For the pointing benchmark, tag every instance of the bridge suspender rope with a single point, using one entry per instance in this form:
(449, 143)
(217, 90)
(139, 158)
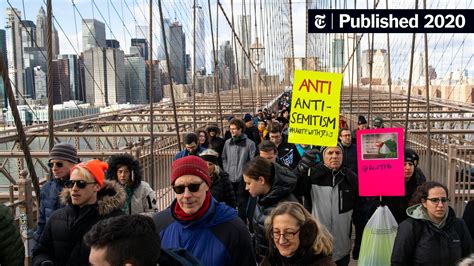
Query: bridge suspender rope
(152, 98)
(236, 62)
(194, 65)
(427, 88)
(216, 78)
(389, 74)
(49, 26)
(163, 32)
(410, 80)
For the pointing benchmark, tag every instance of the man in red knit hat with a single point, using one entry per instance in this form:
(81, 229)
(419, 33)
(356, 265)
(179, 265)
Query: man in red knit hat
(195, 221)
(88, 198)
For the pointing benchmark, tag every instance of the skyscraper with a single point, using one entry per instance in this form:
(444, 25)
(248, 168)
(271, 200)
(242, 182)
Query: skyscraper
(61, 85)
(135, 80)
(337, 58)
(93, 34)
(142, 45)
(73, 73)
(161, 46)
(112, 43)
(104, 76)
(226, 65)
(41, 34)
(15, 50)
(177, 52)
(244, 31)
(200, 39)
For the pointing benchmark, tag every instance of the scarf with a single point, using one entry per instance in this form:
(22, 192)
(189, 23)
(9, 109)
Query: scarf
(180, 214)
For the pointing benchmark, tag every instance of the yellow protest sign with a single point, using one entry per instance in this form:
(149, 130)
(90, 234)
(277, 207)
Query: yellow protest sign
(315, 105)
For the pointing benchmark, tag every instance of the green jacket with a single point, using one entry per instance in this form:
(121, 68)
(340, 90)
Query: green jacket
(12, 251)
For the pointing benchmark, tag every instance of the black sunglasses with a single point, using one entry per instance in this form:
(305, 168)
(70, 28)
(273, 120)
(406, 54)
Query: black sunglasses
(192, 188)
(58, 164)
(79, 183)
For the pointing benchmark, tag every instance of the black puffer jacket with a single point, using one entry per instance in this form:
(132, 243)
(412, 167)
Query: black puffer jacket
(398, 205)
(61, 241)
(420, 242)
(221, 189)
(12, 251)
(281, 190)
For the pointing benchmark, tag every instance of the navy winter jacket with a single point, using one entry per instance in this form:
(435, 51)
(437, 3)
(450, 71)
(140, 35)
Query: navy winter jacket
(217, 238)
(50, 202)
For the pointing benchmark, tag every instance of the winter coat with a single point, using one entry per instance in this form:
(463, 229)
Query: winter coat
(61, 241)
(237, 152)
(221, 189)
(185, 153)
(143, 198)
(12, 251)
(398, 205)
(49, 196)
(420, 242)
(334, 197)
(252, 134)
(308, 259)
(349, 158)
(281, 190)
(217, 144)
(468, 217)
(288, 154)
(217, 238)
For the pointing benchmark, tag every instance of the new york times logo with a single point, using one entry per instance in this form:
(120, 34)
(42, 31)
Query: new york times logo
(391, 21)
(319, 21)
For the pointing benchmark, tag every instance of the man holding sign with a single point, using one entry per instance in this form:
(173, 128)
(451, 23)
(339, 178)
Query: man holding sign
(334, 196)
(333, 188)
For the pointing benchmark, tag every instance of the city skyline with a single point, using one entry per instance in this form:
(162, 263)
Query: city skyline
(443, 49)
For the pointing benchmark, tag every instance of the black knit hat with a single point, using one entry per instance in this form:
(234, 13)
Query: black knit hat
(411, 156)
(362, 120)
(64, 152)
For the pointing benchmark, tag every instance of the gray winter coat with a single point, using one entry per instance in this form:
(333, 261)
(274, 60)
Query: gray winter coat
(235, 154)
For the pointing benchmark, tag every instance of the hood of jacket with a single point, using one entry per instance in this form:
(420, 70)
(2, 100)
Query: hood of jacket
(109, 198)
(124, 159)
(419, 212)
(284, 183)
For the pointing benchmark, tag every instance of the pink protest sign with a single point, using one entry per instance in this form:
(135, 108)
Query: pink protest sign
(380, 155)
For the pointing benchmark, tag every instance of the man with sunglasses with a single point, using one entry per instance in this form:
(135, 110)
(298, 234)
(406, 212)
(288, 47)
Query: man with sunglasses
(88, 198)
(62, 158)
(209, 230)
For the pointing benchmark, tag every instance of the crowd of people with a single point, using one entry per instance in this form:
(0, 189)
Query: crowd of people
(247, 198)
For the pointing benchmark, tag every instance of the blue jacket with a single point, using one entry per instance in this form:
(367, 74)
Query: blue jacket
(49, 196)
(185, 153)
(217, 238)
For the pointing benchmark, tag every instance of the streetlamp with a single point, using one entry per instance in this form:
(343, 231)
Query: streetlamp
(258, 53)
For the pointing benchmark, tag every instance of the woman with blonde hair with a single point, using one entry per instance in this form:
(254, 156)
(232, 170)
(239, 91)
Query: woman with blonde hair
(296, 238)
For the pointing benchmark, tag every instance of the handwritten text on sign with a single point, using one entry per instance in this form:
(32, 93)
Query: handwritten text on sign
(315, 106)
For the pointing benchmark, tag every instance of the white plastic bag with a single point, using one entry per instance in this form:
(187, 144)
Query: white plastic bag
(378, 238)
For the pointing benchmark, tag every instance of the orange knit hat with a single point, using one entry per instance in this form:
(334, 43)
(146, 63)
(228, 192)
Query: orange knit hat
(96, 168)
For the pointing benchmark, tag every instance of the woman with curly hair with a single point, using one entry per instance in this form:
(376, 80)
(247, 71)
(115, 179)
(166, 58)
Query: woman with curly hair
(296, 238)
(125, 170)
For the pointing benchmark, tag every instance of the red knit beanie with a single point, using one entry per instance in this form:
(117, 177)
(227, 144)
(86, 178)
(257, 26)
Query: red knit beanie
(96, 168)
(190, 165)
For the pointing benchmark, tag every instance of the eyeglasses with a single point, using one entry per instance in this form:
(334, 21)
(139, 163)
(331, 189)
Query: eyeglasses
(192, 188)
(286, 235)
(79, 183)
(437, 200)
(58, 164)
